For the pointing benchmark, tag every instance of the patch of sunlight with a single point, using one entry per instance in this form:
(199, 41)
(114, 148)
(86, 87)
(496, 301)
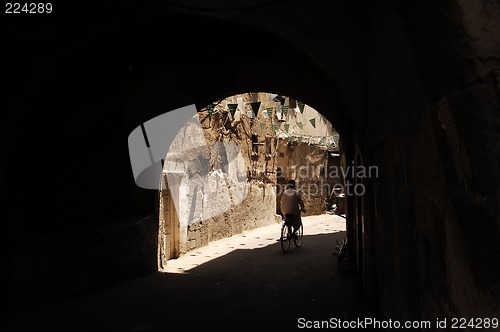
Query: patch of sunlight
(252, 239)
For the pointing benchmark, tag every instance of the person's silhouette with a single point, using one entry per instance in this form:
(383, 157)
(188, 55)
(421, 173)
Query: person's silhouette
(291, 207)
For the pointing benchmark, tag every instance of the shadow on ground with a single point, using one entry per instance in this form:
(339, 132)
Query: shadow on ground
(260, 289)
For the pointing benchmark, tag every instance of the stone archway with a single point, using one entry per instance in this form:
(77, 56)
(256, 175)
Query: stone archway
(398, 85)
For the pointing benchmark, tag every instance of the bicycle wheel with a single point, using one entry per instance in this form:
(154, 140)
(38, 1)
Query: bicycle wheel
(285, 238)
(299, 233)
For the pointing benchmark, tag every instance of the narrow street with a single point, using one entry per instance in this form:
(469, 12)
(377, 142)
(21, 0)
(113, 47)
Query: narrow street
(241, 283)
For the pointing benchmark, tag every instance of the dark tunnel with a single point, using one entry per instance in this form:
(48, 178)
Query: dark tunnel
(412, 86)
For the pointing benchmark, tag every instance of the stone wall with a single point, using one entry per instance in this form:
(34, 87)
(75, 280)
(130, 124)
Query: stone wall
(221, 173)
(426, 235)
(305, 164)
(304, 140)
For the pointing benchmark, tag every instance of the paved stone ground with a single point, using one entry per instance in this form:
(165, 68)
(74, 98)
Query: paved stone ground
(241, 283)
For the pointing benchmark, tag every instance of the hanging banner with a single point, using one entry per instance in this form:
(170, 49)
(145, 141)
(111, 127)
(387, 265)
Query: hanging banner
(290, 138)
(299, 140)
(301, 106)
(250, 114)
(255, 107)
(322, 140)
(232, 108)
(210, 109)
(333, 144)
(269, 111)
(300, 125)
(287, 126)
(273, 126)
(313, 122)
(262, 126)
(336, 139)
(285, 110)
(310, 141)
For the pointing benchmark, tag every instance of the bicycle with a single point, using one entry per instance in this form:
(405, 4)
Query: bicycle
(286, 235)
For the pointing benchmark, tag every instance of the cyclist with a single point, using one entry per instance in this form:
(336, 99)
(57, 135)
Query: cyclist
(291, 206)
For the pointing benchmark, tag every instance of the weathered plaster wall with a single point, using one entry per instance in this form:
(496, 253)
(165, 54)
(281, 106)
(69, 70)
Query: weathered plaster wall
(305, 164)
(302, 154)
(220, 179)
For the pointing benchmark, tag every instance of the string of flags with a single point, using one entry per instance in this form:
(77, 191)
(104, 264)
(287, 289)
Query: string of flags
(210, 110)
(232, 108)
(285, 110)
(331, 142)
(255, 107)
(268, 113)
(301, 107)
